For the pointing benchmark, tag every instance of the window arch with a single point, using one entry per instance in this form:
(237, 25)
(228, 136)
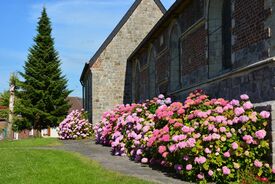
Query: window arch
(219, 36)
(175, 69)
(226, 34)
(152, 72)
(136, 84)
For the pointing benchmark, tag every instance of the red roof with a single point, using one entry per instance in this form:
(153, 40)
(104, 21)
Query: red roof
(3, 107)
(76, 103)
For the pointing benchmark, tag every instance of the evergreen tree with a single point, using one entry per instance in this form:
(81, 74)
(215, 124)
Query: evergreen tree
(44, 92)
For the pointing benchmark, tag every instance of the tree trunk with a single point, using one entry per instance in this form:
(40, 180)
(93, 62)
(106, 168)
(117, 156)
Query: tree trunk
(37, 126)
(11, 111)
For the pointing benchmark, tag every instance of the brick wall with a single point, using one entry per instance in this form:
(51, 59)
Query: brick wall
(249, 32)
(249, 16)
(162, 66)
(202, 62)
(193, 50)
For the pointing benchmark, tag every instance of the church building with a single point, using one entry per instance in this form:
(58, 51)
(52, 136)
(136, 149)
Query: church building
(225, 47)
(103, 77)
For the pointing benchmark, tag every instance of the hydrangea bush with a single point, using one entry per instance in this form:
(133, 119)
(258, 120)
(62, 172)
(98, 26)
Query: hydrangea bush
(203, 139)
(75, 126)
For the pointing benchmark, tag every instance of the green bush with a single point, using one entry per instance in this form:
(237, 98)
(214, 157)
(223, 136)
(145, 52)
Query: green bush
(4, 114)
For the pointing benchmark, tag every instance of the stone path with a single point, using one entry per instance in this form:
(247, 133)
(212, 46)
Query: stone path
(120, 164)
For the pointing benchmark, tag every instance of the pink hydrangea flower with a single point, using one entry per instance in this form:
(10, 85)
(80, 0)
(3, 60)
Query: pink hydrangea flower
(166, 138)
(172, 148)
(146, 129)
(175, 138)
(265, 114)
(200, 160)
(182, 144)
(139, 152)
(260, 134)
(222, 129)
(258, 163)
(235, 145)
(219, 110)
(210, 173)
(226, 154)
(248, 139)
(186, 158)
(235, 102)
(228, 135)
(243, 119)
(226, 170)
(164, 155)
(161, 96)
(144, 160)
(244, 97)
(200, 176)
(178, 167)
(207, 150)
(162, 149)
(216, 136)
(247, 105)
(189, 167)
(239, 111)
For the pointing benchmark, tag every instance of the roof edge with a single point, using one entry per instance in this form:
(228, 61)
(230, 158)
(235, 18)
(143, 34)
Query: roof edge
(163, 19)
(86, 66)
(124, 19)
(161, 6)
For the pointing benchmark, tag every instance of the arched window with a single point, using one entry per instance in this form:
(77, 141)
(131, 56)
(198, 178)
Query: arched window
(174, 45)
(219, 36)
(136, 84)
(226, 34)
(152, 72)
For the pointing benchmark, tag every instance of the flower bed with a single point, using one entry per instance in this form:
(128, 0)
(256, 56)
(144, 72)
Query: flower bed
(203, 139)
(75, 126)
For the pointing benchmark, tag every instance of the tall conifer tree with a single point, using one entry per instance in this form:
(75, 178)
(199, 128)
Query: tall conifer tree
(44, 89)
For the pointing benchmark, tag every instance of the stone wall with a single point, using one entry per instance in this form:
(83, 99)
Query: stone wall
(202, 49)
(258, 81)
(108, 71)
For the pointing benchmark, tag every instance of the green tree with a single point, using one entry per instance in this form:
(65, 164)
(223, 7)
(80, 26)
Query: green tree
(4, 101)
(4, 96)
(43, 92)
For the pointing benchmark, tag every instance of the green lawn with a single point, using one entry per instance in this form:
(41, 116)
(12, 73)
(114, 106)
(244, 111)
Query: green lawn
(19, 164)
(30, 143)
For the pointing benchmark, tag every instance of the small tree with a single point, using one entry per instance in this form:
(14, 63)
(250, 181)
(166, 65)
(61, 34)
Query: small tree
(44, 91)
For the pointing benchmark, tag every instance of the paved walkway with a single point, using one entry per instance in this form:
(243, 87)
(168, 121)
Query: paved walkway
(120, 164)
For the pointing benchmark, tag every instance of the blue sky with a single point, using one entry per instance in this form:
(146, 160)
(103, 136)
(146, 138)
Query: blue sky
(79, 28)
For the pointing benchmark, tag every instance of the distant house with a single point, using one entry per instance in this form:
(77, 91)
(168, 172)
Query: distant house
(76, 103)
(3, 128)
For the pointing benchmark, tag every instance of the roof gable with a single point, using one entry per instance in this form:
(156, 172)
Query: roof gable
(116, 30)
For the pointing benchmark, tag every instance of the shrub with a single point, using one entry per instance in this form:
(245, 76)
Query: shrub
(4, 113)
(75, 126)
(203, 139)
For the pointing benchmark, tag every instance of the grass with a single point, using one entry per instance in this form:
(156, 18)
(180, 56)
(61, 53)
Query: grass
(31, 166)
(30, 143)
